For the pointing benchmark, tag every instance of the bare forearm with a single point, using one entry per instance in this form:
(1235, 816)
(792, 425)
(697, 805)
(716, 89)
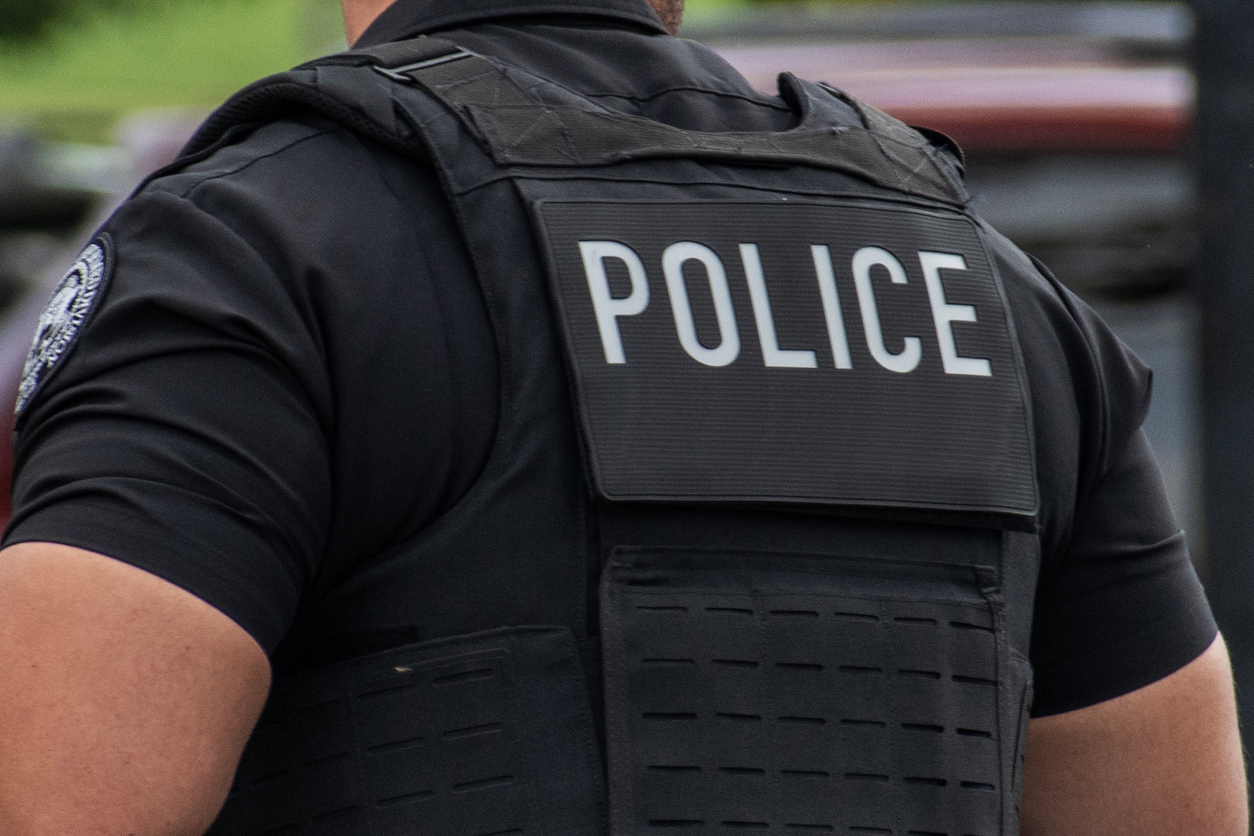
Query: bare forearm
(125, 702)
(1162, 761)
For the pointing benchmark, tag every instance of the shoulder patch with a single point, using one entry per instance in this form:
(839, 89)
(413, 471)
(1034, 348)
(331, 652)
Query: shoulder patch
(71, 305)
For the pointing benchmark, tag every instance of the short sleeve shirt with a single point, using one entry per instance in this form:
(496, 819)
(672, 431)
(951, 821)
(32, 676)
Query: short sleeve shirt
(290, 363)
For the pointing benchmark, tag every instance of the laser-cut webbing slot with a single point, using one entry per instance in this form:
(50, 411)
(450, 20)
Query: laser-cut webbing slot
(482, 735)
(783, 721)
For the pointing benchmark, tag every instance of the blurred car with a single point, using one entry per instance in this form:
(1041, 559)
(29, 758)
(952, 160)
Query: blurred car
(1075, 117)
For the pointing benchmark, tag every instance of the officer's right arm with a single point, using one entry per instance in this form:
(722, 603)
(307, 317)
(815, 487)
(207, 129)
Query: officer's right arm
(125, 702)
(1164, 760)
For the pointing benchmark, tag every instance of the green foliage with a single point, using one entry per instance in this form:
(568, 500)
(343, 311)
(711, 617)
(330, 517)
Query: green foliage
(78, 80)
(28, 20)
(21, 19)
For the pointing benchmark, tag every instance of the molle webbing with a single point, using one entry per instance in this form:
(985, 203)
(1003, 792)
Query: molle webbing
(747, 692)
(523, 120)
(481, 735)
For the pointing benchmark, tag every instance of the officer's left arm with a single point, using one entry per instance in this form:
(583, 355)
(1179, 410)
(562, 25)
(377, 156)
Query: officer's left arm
(1164, 760)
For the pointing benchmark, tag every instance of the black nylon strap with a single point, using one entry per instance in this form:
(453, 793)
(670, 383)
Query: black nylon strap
(272, 99)
(283, 94)
(525, 121)
(557, 136)
(521, 125)
(398, 54)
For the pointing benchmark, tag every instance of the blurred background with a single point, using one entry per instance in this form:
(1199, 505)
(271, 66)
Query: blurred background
(1114, 140)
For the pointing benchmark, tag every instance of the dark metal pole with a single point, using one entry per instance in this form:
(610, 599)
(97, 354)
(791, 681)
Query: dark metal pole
(1224, 60)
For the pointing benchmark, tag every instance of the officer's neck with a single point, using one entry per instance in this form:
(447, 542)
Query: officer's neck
(359, 14)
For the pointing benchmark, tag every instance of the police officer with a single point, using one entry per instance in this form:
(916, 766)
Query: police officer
(555, 435)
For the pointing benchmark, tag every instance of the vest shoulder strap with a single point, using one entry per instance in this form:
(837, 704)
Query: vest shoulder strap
(524, 120)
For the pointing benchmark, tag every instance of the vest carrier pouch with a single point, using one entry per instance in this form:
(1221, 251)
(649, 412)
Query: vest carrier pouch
(469, 736)
(795, 694)
(802, 329)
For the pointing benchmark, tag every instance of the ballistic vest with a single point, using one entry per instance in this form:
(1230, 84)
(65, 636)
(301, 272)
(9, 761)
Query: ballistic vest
(763, 465)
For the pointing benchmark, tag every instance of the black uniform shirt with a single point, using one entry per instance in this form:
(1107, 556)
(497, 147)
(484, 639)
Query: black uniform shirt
(292, 364)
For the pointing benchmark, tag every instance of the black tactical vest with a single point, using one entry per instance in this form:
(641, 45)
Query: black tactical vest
(758, 521)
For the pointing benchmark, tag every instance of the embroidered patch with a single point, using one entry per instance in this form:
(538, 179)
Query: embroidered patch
(62, 320)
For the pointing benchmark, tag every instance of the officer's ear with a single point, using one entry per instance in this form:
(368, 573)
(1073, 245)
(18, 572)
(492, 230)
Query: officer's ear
(670, 11)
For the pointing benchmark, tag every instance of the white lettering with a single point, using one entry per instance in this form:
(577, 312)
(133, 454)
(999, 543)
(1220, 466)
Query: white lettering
(831, 306)
(863, 260)
(607, 308)
(772, 355)
(673, 260)
(944, 314)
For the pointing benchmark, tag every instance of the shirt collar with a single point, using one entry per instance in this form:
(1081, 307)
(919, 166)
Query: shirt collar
(410, 18)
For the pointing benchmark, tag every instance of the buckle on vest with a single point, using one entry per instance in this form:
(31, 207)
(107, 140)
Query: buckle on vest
(401, 74)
